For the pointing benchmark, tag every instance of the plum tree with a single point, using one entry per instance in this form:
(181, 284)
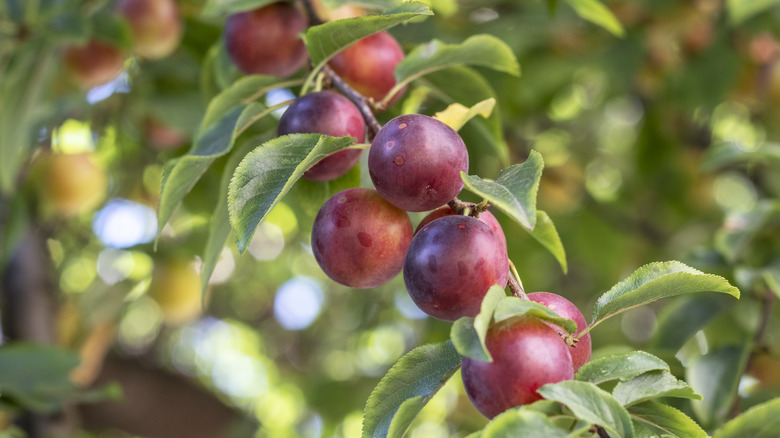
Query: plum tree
(95, 63)
(266, 40)
(580, 352)
(415, 162)
(329, 113)
(527, 353)
(74, 183)
(486, 217)
(156, 25)
(359, 239)
(451, 264)
(368, 65)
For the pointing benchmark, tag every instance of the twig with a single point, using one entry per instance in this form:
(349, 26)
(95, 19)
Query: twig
(358, 99)
(311, 13)
(515, 285)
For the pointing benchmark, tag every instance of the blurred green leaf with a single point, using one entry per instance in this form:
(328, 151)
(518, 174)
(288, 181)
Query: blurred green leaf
(326, 40)
(37, 376)
(113, 29)
(740, 227)
(415, 379)
(514, 191)
(655, 281)
(665, 421)
(761, 421)
(590, 403)
(741, 10)
(598, 14)
(682, 318)
(71, 27)
(522, 422)
(545, 233)
(214, 8)
(651, 385)
(267, 174)
(728, 153)
(716, 377)
(620, 366)
(468, 334)
(482, 50)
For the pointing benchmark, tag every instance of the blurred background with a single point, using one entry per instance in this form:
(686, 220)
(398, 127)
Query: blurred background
(658, 145)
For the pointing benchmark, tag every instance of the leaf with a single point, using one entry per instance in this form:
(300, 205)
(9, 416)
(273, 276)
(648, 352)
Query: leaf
(214, 8)
(36, 375)
(592, 404)
(419, 373)
(266, 174)
(650, 385)
(741, 10)
(514, 191)
(326, 40)
(219, 225)
(472, 88)
(598, 14)
(480, 50)
(728, 153)
(682, 318)
(716, 377)
(69, 27)
(619, 366)
(741, 227)
(468, 334)
(522, 422)
(511, 307)
(666, 419)
(545, 233)
(457, 115)
(760, 421)
(655, 281)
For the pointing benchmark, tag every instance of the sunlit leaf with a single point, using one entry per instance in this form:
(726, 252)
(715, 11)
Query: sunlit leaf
(598, 14)
(620, 366)
(457, 115)
(468, 334)
(741, 10)
(655, 281)
(761, 421)
(522, 422)
(663, 419)
(651, 385)
(592, 404)
(545, 233)
(415, 378)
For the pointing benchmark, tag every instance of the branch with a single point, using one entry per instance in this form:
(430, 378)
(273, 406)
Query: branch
(358, 99)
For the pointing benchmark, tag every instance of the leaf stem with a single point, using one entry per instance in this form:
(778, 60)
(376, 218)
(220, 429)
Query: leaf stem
(515, 285)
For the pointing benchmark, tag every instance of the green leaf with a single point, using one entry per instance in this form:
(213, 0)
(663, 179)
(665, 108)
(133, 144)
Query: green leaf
(619, 366)
(522, 422)
(592, 404)
(728, 153)
(514, 191)
(741, 10)
(267, 174)
(598, 14)
(655, 281)
(468, 334)
(481, 50)
(214, 8)
(741, 227)
(472, 88)
(219, 225)
(650, 385)
(716, 377)
(545, 233)
(760, 421)
(36, 375)
(682, 318)
(326, 40)
(113, 29)
(511, 307)
(70, 27)
(666, 419)
(241, 92)
(419, 373)
(457, 115)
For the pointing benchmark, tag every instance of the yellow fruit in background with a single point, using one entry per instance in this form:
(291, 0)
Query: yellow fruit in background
(176, 289)
(74, 183)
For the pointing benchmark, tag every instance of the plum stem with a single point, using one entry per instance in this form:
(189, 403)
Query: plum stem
(602, 432)
(468, 208)
(515, 285)
(358, 99)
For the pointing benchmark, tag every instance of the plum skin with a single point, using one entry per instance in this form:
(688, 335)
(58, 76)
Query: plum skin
(415, 162)
(359, 239)
(580, 352)
(328, 113)
(527, 354)
(156, 25)
(94, 64)
(486, 217)
(265, 40)
(369, 65)
(451, 264)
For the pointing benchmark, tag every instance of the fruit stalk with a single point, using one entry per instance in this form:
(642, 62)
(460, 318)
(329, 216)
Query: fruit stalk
(515, 286)
(358, 99)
